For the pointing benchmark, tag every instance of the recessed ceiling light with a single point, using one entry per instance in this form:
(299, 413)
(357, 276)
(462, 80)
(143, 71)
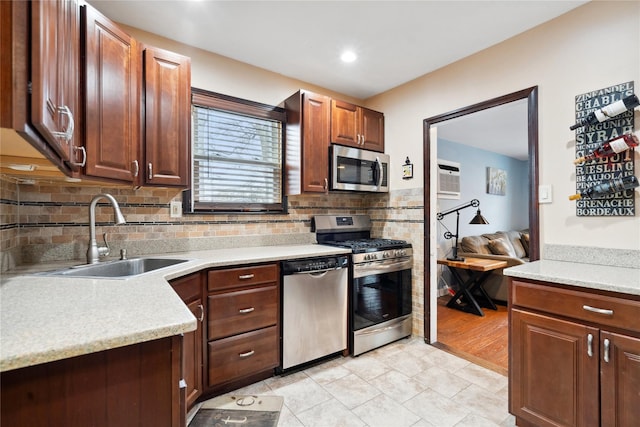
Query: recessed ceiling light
(348, 56)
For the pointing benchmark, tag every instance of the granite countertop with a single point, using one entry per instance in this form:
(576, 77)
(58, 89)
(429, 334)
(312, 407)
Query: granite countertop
(593, 276)
(47, 318)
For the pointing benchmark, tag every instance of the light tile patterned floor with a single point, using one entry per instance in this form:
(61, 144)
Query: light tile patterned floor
(407, 383)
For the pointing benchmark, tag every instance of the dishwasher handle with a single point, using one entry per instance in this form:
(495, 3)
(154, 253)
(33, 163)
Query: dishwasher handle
(318, 273)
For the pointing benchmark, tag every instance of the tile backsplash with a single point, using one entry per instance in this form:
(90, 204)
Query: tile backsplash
(49, 222)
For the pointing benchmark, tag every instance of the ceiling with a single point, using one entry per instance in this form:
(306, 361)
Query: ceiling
(501, 129)
(395, 41)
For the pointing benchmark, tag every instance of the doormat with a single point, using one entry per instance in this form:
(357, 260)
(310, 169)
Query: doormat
(241, 411)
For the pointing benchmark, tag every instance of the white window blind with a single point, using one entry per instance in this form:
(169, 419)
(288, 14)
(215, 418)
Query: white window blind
(237, 160)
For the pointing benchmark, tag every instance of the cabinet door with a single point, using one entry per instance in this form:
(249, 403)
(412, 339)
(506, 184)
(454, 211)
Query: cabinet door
(112, 99)
(372, 130)
(315, 150)
(192, 355)
(554, 377)
(345, 128)
(189, 289)
(620, 380)
(167, 117)
(55, 56)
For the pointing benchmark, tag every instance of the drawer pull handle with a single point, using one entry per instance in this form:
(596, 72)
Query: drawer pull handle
(247, 354)
(598, 310)
(590, 345)
(606, 350)
(246, 310)
(201, 307)
(246, 276)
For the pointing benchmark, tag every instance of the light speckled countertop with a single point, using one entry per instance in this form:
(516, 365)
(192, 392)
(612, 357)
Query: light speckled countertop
(45, 318)
(603, 277)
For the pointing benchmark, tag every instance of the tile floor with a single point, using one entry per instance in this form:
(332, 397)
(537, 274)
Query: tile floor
(406, 383)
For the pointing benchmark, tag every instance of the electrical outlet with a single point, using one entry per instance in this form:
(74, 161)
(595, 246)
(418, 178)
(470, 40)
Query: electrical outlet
(176, 209)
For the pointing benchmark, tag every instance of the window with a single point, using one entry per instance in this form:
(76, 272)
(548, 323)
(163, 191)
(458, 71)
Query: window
(237, 150)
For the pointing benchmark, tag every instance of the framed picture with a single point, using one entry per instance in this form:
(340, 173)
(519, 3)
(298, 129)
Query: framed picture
(407, 171)
(496, 181)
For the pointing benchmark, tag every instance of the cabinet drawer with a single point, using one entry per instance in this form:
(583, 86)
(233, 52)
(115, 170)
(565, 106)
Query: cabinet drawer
(242, 355)
(614, 311)
(236, 312)
(187, 287)
(244, 276)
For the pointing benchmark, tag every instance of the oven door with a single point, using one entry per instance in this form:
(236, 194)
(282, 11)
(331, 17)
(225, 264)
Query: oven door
(381, 292)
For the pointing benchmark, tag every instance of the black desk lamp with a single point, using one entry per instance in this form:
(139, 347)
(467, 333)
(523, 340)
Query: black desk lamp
(478, 219)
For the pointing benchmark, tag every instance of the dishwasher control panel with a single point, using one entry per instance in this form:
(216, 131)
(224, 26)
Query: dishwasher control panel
(310, 265)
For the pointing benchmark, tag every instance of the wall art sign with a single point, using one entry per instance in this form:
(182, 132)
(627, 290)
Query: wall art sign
(590, 137)
(496, 181)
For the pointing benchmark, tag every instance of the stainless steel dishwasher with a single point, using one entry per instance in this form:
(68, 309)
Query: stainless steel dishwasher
(314, 308)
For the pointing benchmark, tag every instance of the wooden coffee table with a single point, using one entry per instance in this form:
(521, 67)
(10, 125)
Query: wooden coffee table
(477, 270)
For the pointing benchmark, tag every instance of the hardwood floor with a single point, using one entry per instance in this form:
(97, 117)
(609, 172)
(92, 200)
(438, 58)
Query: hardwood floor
(482, 340)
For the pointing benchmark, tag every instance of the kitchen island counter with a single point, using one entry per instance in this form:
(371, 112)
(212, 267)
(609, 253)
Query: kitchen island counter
(48, 318)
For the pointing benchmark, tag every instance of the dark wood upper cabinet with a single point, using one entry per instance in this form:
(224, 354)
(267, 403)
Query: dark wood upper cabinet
(307, 151)
(356, 126)
(167, 102)
(112, 99)
(40, 57)
(55, 56)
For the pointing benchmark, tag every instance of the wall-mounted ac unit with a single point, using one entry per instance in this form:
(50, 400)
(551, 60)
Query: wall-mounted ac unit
(448, 179)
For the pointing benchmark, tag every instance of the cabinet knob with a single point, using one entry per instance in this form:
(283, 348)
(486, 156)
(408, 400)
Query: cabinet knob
(150, 171)
(606, 350)
(136, 168)
(201, 307)
(590, 345)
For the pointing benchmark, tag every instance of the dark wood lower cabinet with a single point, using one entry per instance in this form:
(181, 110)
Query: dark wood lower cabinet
(555, 381)
(574, 356)
(136, 385)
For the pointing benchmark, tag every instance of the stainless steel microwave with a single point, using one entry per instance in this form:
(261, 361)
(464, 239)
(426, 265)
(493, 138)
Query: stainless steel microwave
(354, 169)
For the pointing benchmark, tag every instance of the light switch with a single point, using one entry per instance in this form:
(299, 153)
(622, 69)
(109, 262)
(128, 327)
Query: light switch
(545, 194)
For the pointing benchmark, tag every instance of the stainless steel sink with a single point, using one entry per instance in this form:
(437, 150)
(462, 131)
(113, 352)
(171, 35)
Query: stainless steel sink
(120, 269)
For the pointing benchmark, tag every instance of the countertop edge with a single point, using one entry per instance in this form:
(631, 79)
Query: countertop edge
(624, 280)
(21, 349)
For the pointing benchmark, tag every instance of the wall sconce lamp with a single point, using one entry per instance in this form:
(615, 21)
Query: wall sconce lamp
(478, 219)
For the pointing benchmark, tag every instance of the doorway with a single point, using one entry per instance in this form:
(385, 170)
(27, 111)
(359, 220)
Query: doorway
(430, 141)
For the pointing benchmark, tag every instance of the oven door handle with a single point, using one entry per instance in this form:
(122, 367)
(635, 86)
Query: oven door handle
(381, 267)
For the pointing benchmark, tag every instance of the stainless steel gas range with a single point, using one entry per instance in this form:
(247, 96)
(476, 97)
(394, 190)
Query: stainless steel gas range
(380, 280)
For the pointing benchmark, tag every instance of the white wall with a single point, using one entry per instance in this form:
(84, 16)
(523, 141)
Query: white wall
(591, 47)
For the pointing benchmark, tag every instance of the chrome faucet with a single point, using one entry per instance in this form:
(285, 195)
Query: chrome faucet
(95, 252)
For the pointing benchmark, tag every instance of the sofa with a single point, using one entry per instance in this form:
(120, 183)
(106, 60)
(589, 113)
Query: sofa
(511, 246)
